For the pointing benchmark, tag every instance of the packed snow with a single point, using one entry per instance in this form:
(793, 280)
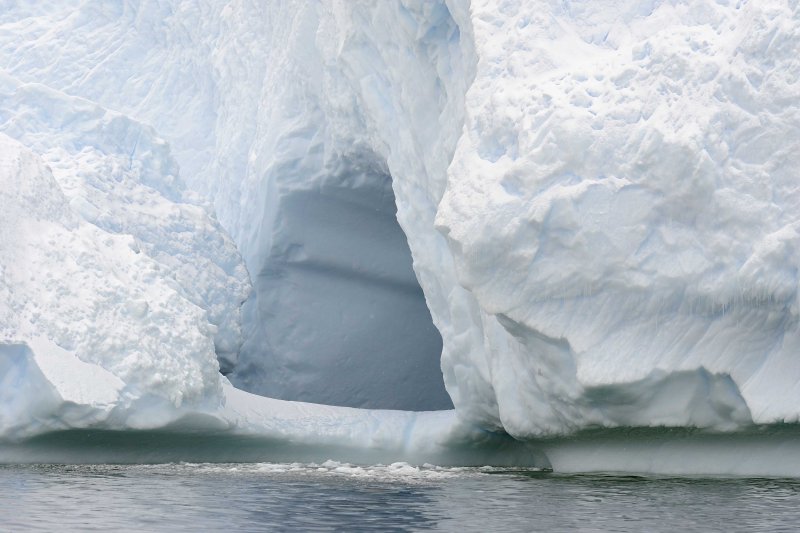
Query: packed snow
(597, 210)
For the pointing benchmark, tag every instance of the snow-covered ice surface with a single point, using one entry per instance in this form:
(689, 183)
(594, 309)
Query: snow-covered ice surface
(338, 315)
(91, 312)
(623, 207)
(599, 198)
(119, 176)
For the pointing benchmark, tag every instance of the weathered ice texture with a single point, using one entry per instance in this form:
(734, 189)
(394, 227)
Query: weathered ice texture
(599, 198)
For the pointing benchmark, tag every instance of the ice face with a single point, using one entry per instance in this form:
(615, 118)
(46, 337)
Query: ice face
(89, 299)
(587, 197)
(337, 315)
(623, 201)
(120, 177)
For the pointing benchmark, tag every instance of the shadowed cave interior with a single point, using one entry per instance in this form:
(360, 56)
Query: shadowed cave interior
(337, 315)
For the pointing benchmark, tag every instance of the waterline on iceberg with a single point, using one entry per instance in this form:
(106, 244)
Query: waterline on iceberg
(762, 451)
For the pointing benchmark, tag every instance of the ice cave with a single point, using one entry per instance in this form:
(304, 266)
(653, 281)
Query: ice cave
(563, 234)
(337, 315)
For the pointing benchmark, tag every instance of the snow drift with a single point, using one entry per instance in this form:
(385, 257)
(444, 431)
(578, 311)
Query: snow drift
(599, 199)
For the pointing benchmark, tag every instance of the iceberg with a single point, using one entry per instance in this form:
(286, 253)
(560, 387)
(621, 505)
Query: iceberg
(575, 222)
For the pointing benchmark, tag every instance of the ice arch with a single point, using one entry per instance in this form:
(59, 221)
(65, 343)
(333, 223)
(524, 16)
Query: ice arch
(301, 180)
(269, 123)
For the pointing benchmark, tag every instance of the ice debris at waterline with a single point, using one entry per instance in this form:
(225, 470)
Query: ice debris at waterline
(599, 200)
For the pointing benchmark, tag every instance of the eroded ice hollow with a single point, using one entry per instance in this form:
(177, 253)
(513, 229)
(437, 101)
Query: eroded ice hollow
(337, 316)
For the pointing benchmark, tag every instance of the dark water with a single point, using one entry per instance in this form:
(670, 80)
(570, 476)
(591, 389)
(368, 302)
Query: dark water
(336, 497)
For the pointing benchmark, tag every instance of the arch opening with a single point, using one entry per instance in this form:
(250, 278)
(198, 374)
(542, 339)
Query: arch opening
(337, 315)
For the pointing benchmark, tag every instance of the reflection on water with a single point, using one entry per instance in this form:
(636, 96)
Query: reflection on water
(334, 496)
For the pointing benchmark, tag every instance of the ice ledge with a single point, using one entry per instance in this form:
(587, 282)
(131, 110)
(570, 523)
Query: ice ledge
(57, 408)
(759, 451)
(67, 410)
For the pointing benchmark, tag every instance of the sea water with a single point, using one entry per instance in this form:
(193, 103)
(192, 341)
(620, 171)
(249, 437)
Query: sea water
(334, 496)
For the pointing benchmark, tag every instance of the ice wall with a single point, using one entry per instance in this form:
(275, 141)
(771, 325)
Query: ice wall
(623, 204)
(598, 197)
(80, 297)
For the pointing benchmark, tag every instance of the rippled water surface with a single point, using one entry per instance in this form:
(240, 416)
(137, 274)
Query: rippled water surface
(334, 496)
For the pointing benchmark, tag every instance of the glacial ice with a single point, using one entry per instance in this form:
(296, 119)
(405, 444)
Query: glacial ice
(119, 176)
(334, 286)
(599, 199)
(625, 204)
(85, 291)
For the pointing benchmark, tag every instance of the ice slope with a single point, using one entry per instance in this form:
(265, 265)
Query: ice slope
(74, 288)
(623, 205)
